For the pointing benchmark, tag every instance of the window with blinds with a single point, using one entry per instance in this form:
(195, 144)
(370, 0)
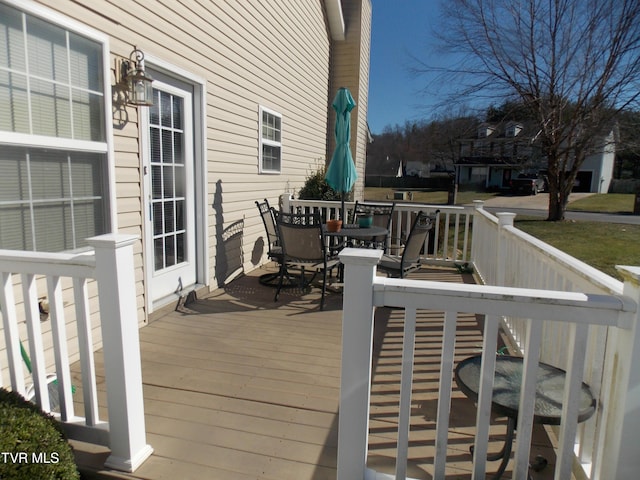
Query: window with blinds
(53, 150)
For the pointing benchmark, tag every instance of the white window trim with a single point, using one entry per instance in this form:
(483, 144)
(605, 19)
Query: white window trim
(55, 18)
(262, 141)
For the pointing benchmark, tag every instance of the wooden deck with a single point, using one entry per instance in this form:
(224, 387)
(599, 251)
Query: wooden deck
(239, 387)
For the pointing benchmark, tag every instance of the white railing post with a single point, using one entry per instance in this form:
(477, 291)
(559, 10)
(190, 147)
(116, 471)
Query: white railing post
(118, 312)
(505, 219)
(475, 237)
(357, 346)
(617, 456)
(286, 199)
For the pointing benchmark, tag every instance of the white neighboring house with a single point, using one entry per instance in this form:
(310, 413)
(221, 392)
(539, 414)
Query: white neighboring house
(500, 152)
(596, 172)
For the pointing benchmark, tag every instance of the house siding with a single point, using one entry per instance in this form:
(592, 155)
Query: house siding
(350, 68)
(251, 54)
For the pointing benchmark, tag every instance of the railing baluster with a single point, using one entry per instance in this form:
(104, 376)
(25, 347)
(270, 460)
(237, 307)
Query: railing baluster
(36, 350)
(58, 330)
(487, 369)
(454, 254)
(85, 346)
(570, 401)
(527, 398)
(406, 381)
(11, 335)
(444, 393)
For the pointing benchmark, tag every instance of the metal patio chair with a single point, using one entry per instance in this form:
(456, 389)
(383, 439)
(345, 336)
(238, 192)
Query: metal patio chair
(303, 249)
(274, 249)
(400, 266)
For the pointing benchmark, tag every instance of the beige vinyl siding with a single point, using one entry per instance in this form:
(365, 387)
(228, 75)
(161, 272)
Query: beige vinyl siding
(272, 54)
(350, 68)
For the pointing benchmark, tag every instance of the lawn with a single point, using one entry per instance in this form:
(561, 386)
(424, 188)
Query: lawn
(618, 203)
(601, 245)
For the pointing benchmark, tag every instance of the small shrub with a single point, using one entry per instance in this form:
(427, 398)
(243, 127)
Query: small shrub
(32, 443)
(316, 187)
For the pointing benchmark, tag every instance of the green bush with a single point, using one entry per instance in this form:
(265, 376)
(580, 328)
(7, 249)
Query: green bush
(32, 443)
(316, 187)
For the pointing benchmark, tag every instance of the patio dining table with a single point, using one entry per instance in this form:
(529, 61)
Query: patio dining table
(356, 232)
(350, 232)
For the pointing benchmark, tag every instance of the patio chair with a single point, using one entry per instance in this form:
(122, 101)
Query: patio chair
(274, 249)
(303, 248)
(400, 266)
(382, 214)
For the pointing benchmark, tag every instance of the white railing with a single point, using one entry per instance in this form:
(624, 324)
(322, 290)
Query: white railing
(107, 272)
(619, 435)
(504, 255)
(448, 243)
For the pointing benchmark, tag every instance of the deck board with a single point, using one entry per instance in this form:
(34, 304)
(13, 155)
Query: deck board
(238, 386)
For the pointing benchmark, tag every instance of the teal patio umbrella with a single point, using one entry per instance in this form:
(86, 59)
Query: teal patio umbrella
(341, 174)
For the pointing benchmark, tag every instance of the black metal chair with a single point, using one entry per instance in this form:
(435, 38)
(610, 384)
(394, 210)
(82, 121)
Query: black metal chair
(400, 266)
(382, 214)
(274, 249)
(303, 248)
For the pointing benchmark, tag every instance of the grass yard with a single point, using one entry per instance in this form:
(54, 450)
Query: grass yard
(601, 245)
(617, 203)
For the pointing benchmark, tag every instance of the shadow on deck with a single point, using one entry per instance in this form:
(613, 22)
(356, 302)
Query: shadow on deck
(239, 387)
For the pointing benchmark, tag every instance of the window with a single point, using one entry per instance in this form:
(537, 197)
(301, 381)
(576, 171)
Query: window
(270, 141)
(53, 149)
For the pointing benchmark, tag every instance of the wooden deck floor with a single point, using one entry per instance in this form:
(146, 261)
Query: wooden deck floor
(239, 387)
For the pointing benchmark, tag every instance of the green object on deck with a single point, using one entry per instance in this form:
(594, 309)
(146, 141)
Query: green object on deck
(25, 357)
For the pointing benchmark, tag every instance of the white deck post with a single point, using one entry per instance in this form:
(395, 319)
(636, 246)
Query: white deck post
(357, 345)
(118, 312)
(505, 219)
(618, 452)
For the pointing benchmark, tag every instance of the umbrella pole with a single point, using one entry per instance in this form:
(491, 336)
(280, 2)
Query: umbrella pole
(342, 208)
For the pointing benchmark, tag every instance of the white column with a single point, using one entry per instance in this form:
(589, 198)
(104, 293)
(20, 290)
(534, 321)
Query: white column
(619, 438)
(118, 312)
(357, 345)
(505, 219)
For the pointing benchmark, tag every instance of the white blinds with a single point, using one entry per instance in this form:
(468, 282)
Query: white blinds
(51, 85)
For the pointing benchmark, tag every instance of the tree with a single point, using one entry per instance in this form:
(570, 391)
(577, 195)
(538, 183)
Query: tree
(573, 64)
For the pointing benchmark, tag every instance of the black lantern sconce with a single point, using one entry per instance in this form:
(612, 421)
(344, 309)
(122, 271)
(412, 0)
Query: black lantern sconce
(136, 80)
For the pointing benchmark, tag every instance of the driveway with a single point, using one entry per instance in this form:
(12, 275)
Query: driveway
(538, 205)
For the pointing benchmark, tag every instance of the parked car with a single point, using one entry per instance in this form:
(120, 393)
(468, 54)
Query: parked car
(528, 183)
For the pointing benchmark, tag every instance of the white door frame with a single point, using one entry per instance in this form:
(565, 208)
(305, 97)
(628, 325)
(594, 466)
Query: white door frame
(163, 70)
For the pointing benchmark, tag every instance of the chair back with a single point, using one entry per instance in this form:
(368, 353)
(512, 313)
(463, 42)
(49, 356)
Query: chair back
(301, 237)
(417, 238)
(382, 214)
(268, 215)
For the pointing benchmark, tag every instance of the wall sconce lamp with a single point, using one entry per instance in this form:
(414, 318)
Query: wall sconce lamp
(136, 80)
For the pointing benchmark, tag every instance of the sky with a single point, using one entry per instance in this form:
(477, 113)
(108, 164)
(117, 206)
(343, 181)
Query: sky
(400, 28)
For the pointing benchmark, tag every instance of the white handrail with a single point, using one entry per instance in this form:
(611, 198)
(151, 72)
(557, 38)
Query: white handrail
(619, 313)
(66, 278)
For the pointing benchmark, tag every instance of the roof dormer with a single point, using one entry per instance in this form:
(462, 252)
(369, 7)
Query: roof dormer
(485, 130)
(512, 129)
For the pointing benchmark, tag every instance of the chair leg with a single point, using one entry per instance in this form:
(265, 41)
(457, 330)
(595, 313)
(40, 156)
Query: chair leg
(324, 287)
(283, 267)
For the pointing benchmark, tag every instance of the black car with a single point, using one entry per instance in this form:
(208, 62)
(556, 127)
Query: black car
(528, 184)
